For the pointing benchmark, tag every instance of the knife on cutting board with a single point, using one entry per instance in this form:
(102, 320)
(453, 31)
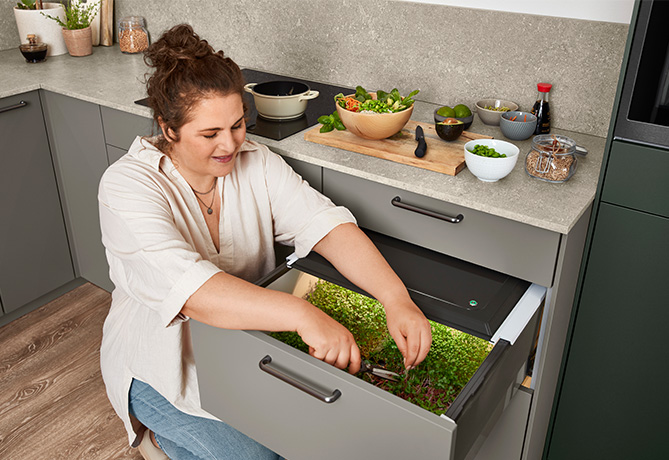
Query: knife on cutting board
(421, 149)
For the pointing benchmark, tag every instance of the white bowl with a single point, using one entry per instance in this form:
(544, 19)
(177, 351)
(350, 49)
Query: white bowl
(490, 169)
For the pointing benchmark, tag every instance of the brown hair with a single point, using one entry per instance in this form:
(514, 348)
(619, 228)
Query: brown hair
(187, 70)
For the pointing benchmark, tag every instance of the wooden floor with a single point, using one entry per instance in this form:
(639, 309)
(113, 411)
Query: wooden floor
(53, 403)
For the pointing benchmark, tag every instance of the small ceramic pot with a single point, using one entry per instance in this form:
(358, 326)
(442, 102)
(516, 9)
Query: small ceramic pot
(79, 42)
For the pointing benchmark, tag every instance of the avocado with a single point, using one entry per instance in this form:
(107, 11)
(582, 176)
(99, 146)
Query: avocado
(450, 129)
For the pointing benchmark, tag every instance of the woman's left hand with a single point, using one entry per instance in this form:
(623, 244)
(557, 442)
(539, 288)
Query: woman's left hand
(410, 330)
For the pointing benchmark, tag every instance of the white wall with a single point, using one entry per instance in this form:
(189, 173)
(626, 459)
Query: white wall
(594, 10)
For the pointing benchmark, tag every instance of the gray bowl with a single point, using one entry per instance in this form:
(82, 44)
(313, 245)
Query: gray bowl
(521, 128)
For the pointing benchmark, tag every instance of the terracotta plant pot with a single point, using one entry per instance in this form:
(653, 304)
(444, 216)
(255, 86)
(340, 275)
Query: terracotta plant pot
(79, 41)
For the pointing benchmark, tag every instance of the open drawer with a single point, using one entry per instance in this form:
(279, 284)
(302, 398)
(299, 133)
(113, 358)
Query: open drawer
(306, 409)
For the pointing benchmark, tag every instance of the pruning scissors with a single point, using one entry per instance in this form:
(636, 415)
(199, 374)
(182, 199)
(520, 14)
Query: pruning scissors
(378, 371)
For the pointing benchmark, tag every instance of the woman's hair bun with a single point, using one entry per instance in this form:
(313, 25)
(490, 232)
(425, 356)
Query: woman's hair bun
(180, 43)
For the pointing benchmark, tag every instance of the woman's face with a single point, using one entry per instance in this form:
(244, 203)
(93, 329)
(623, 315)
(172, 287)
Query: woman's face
(210, 141)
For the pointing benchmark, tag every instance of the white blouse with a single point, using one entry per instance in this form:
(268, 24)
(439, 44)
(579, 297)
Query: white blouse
(160, 252)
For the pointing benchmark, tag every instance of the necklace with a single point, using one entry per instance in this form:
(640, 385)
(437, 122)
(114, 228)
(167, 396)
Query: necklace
(207, 192)
(209, 208)
(213, 197)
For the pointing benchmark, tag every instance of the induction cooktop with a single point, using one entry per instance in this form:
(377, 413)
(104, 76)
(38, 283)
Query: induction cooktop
(277, 130)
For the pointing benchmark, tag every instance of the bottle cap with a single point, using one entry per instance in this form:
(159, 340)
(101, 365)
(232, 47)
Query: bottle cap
(544, 87)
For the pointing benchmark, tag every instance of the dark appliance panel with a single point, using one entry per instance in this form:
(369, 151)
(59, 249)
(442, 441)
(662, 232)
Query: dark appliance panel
(643, 114)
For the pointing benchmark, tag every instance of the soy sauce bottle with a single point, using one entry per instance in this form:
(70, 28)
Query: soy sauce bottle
(542, 109)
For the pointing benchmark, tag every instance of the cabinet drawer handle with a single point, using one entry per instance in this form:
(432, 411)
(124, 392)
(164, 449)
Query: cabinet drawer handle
(397, 201)
(264, 365)
(15, 106)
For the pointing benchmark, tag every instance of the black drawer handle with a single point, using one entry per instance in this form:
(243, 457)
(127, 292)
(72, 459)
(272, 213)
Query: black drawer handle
(397, 201)
(264, 365)
(15, 106)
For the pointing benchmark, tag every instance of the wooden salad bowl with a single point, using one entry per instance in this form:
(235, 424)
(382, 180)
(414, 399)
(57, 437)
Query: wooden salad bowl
(374, 125)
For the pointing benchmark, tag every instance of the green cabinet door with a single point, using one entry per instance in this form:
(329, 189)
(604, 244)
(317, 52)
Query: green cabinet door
(614, 400)
(34, 252)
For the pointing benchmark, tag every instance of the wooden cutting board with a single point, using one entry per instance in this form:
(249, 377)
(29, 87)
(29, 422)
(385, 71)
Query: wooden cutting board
(442, 156)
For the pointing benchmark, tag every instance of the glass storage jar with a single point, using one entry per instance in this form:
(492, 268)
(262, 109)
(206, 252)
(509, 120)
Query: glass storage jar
(132, 34)
(33, 51)
(552, 158)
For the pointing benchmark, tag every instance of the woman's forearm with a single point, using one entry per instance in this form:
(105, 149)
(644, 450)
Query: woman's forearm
(355, 256)
(229, 302)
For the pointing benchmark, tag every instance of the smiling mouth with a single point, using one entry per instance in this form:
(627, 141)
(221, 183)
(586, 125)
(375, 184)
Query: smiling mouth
(223, 159)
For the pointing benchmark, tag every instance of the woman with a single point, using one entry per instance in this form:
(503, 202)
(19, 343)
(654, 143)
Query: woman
(189, 219)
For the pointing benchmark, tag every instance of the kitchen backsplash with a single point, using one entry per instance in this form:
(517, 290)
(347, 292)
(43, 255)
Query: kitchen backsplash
(452, 54)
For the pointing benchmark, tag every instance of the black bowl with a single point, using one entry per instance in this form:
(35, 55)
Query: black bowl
(449, 132)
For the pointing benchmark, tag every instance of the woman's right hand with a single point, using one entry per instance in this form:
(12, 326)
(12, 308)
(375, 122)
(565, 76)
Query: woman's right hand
(329, 341)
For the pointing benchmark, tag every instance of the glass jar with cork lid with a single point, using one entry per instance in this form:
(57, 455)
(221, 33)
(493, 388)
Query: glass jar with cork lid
(553, 158)
(132, 35)
(33, 51)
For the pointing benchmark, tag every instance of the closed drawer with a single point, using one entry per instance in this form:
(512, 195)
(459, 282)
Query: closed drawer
(500, 244)
(121, 128)
(339, 409)
(636, 177)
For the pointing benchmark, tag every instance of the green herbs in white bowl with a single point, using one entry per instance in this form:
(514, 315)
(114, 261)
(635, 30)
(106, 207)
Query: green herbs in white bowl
(490, 159)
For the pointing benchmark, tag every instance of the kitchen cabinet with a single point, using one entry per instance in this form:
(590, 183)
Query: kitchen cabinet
(34, 251)
(121, 129)
(611, 400)
(78, 143)
(615, 365)
(553, 257)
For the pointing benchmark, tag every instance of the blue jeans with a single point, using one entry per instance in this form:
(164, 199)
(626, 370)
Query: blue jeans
(187, 437)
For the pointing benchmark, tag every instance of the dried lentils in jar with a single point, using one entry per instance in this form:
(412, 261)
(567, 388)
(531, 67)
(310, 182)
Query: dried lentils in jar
(551, 158)
(132, 35)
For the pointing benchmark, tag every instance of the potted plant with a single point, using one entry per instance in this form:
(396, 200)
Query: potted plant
(29, 20)
(76, 27)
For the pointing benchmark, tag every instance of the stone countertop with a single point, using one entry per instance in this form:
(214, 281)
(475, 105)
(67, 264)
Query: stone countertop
(113, 79)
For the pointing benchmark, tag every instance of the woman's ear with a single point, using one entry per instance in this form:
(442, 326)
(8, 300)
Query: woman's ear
(168, 133)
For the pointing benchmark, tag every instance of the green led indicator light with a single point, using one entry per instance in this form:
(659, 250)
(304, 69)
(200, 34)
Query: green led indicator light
(473, 303)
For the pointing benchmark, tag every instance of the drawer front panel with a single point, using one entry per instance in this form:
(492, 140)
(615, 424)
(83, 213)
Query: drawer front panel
(479, 238)
(364, 422)
(636, 177)
(121, 128)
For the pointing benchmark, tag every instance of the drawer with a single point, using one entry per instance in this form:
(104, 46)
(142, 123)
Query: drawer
(306, 409)
(362, 423)
(121, 128)
(636, 177)
(521, 250)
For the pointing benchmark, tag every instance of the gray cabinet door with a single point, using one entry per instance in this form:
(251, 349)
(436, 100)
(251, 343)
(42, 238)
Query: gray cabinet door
(78, 143)
(34, 252)
(121, 128)
(114, 153)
